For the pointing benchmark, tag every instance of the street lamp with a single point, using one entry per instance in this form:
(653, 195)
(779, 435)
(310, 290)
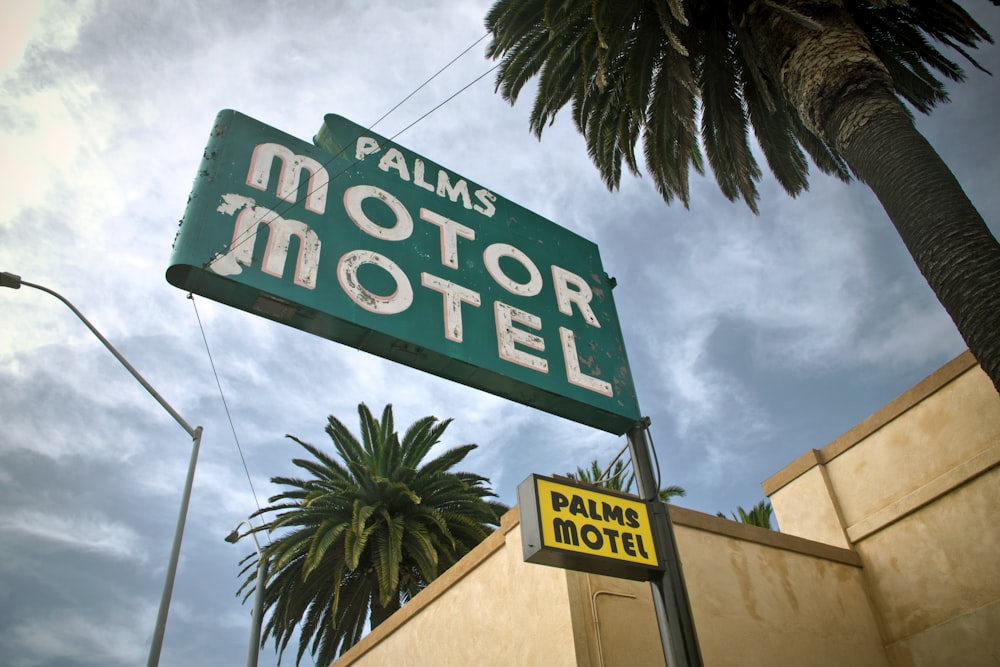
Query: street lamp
(14, 282)
(258, 599)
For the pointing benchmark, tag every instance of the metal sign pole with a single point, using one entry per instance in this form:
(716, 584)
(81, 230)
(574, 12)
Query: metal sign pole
(673, 609)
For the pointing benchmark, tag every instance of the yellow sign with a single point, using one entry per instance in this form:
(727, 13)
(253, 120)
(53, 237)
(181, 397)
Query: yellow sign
(582, 527)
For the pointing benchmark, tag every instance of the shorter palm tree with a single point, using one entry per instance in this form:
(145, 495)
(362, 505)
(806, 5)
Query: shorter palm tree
(759, 516)
(617, 480)
(363, 534)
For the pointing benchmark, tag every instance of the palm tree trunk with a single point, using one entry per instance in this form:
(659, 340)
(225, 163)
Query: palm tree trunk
(823, 65)
(948, 239)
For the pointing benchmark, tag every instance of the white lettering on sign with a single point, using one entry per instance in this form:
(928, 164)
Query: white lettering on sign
(418, 175)
(509, 336)
(394, 160)
(491, 257)
(365, 147)
(573, 373)
(450, 231)
(459, 190)
(280, 232)
(288, 178)
(518, 332)
(355, 195)
(581, 294)
(347, 274)
(454, 297)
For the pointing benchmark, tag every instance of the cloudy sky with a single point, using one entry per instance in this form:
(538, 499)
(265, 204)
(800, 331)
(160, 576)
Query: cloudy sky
(751, 338)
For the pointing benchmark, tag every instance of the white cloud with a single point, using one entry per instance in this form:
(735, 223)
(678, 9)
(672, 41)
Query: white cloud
(907, 331)
(91, 533)
(52, 24)
(17, 20)
(68, 634)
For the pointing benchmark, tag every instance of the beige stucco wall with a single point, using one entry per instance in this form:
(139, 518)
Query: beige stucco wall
(805, 506)
(489, 609)
(938, 579)
(914, 491)
(758, 598)
(762, 598)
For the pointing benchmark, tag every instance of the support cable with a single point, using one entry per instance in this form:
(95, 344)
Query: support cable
(225, 403)
(251, 234)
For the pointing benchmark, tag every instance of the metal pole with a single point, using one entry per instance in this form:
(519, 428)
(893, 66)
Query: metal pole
(673, 609)
(175, 552)
(257, 618)
(258, 613)
(14, 282)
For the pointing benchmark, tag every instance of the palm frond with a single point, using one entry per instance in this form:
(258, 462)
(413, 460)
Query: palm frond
(654, 71)
(724, 121)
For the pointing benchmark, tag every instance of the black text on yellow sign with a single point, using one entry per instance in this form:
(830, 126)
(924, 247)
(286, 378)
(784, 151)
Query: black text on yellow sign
(585, 528)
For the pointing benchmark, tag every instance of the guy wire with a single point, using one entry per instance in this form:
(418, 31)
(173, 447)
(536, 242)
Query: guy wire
(252, 233)
(225, 403)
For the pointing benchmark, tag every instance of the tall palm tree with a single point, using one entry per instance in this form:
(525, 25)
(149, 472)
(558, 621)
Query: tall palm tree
(617, 480)
(759, 515)
(361, 535)
(825, 78)
(672, 491)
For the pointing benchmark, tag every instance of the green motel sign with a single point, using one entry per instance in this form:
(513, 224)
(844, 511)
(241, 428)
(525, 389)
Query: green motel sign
(361, 241)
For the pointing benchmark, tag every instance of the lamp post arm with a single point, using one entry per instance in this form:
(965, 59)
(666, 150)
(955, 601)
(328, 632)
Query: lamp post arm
(111, 348)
